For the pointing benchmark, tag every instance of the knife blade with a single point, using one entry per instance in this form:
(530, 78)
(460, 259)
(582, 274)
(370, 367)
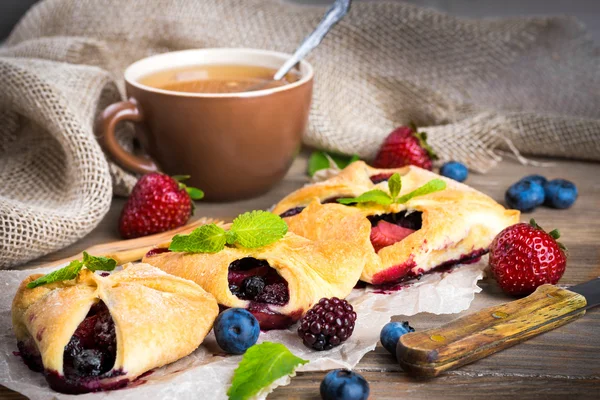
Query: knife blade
(472, 337)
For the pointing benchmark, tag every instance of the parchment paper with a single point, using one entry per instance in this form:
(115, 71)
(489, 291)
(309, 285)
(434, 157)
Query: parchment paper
(208, 372)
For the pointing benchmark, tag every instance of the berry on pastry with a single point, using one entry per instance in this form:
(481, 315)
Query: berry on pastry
(391, 332)
(236, 330)
(342, 384)
(87, 332)
(277, 280)
(328, 324)
(525, 195)
(560, 193)
(157, 203)
(416, 220)
(524, 256)
(405, 146)
(454, 170)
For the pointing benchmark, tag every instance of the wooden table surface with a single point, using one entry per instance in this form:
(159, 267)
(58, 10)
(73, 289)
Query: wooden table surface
(561, 364)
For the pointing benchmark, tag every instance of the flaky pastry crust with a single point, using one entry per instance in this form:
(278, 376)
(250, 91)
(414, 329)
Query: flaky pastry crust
(158, 318)
(456, 222)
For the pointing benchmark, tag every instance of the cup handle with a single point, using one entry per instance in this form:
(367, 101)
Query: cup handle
(128, 110)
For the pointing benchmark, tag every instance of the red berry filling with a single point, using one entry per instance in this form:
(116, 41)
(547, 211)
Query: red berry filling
(380, 178)
(156, 251)
(387, 229)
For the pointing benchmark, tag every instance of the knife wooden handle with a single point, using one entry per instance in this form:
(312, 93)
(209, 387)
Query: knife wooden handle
(474, 336)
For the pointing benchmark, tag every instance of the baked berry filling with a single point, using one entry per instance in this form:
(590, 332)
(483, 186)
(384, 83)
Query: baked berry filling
(88, 357)
(387, 229)
(92, 349)
(254, 280)
(380, 178)
(291, 212)
(157, 250)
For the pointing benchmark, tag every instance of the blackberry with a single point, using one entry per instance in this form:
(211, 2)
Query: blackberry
(276, 294)
(253, 286)
(329, 323)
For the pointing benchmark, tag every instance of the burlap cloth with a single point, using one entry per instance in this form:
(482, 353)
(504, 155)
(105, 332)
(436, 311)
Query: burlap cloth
(476, 85)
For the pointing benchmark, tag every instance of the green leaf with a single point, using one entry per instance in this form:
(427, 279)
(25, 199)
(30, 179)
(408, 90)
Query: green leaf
(258, 228)
(319, 160)
(205, 239)
(395, 185)
(432, 186)
(555, 234)
(64, 274)
(372, 196)
(230, 237)
(195, 194)
(98, 263)
(262, 365)
(316, 162)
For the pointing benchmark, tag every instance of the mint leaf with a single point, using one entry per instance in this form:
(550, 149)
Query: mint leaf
(230, 237)
(319, 160)
(372, 196)
(258, 228)
(395, 185)
(205, 239)
(434, 185)
(262, 365)
(316, 162)
(64, 274)
(98, 263)
(181, 178)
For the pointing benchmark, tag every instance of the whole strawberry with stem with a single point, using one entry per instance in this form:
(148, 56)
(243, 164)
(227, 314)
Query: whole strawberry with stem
(405, 146)
(157, 203)
(524, 256)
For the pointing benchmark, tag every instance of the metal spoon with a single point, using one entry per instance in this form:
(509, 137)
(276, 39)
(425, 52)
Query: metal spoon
(336, 12)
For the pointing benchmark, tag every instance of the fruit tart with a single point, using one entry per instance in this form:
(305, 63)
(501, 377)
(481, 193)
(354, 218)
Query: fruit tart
(277, 282)
(413, 231)
(98, 332)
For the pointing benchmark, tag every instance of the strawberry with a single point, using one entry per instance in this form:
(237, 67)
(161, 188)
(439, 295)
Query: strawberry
(386, 234)
(524, 256)
(405, 146)
(157, 203)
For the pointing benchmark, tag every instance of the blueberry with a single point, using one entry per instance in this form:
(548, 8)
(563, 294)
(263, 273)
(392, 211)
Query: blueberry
(454, 170)
(539, 179)
(525, 195)
(560, 193)
(253, 286)
(236, 330)
(391, 332)
(341, 384)
(88, 362)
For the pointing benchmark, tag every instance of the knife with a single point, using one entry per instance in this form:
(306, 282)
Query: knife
(472, 337)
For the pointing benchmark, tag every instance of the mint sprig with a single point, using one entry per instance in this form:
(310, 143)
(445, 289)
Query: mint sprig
(394, 185)
(93, 263)
(262, 365)
(194, 193)
(319, 160)
(250, 230)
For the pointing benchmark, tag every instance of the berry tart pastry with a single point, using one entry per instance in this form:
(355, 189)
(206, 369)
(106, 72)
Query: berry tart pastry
(278, 282)
(97, 332)
(429, 222)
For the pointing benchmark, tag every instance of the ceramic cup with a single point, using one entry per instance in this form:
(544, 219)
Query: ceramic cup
(233, 145)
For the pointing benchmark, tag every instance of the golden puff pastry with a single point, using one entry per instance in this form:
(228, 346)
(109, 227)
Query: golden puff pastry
(443, 228)
(277, 283)
(100, 332)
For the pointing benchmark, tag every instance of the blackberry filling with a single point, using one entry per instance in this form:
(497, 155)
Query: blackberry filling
(254, 280)
(291, 212)
(92, 350)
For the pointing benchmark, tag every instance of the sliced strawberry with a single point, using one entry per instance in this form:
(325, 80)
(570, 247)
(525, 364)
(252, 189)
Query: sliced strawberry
(386, 234)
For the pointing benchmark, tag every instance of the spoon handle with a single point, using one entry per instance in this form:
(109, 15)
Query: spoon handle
(335, 13)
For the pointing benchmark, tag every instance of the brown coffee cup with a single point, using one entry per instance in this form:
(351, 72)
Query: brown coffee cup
(233, 145)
